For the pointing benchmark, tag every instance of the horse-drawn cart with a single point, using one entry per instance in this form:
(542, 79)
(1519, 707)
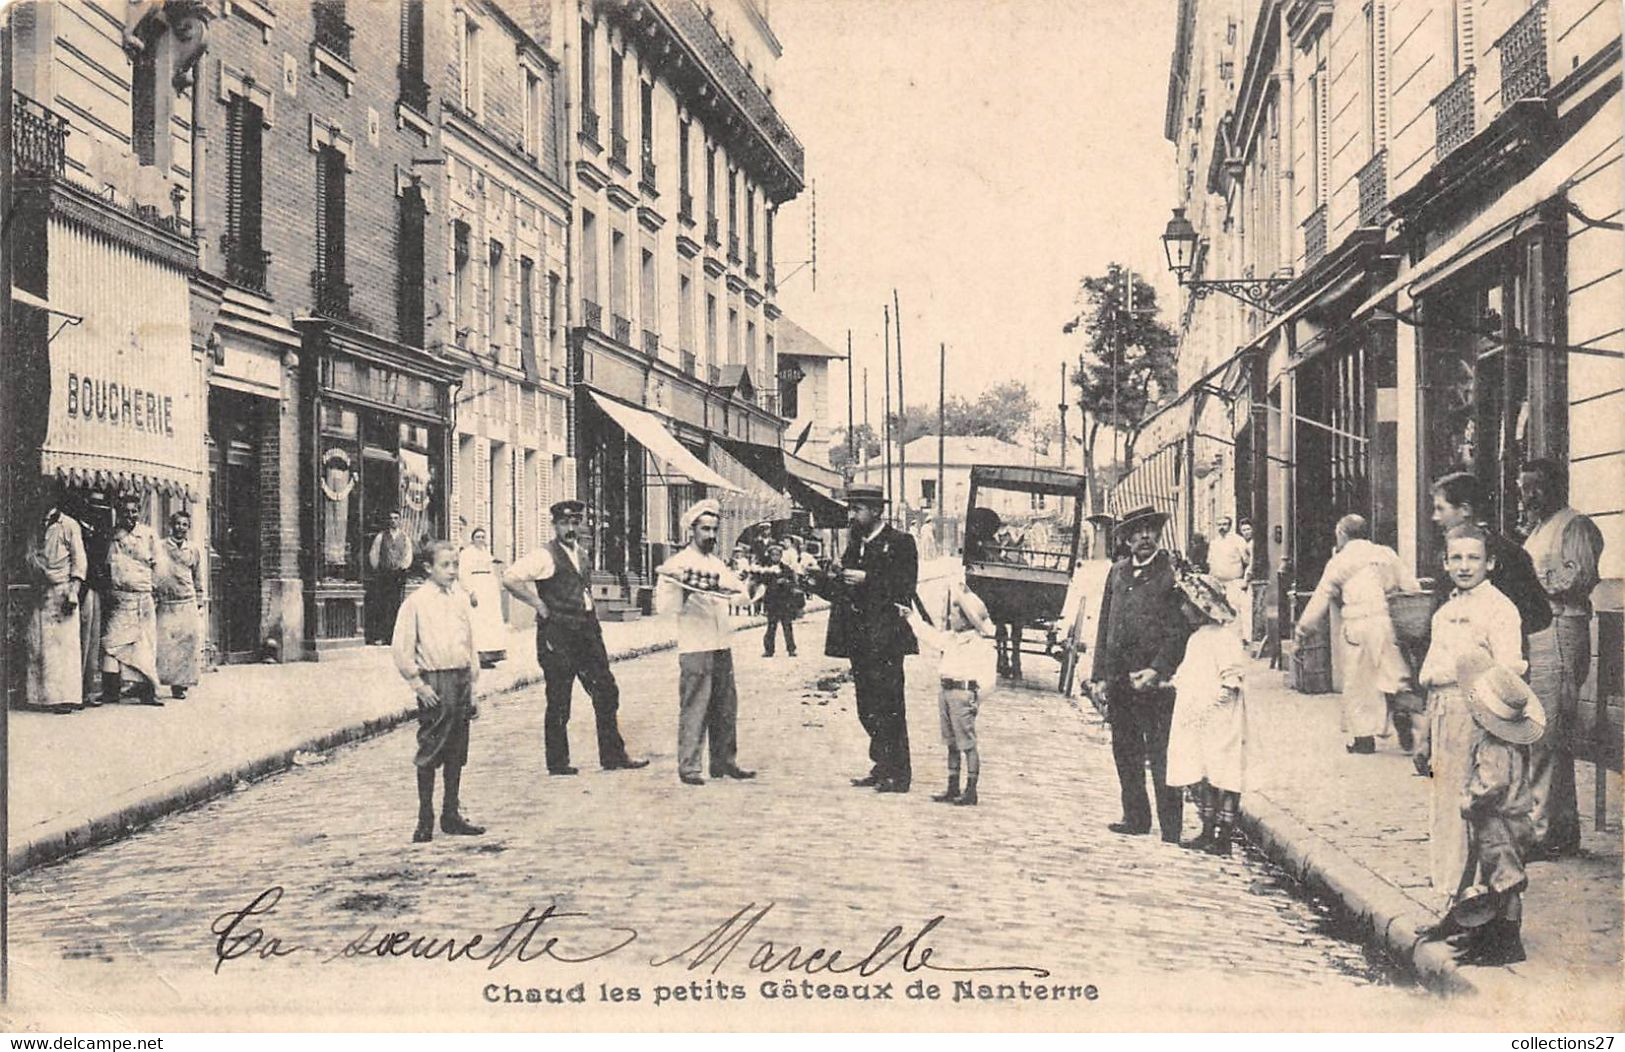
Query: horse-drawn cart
(1023, 531)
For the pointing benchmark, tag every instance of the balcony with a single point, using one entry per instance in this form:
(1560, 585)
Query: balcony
(617, 150)
(712, 236)
(1453, 113)
(733, 248)
(651, 343)
(592, 315)
(414, 90)
(689, 363)
(1523, 58)
(589, 126)
(647, 183)
(1314, 237)
(333, 33)
(623, 330)
(38, 138)
(246, 264)
(332, 296)
(1373, 180)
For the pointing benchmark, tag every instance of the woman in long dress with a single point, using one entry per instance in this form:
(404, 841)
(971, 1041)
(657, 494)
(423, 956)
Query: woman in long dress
(178, 590)
(477, 573)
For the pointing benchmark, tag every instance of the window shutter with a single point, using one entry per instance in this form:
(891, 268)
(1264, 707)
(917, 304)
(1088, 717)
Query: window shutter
(234, 173)
(251, 138)
(322, 261)
(335, 218)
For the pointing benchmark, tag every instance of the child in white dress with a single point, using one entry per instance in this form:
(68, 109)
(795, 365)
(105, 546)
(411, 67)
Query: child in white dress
(1209, 733)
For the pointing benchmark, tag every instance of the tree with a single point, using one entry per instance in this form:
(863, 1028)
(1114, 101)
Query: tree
(1128, 362)
(867, 444)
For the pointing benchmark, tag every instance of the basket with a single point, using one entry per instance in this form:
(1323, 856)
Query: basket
(1412, 615)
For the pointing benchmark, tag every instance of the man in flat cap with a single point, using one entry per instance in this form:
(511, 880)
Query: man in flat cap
(879, 572)
(1138, 646)
(708, 705)
(552, 580)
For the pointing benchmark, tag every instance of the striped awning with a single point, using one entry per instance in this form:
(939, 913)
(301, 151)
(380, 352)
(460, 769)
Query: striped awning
(1156, 481)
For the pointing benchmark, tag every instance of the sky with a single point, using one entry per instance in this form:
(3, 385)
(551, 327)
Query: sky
(980, 157)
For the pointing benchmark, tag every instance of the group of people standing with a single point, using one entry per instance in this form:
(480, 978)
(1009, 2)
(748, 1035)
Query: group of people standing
(1507, 653)
(117, 609)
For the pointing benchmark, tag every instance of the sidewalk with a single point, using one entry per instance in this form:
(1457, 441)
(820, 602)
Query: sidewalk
(1357, 827)
(92, 777)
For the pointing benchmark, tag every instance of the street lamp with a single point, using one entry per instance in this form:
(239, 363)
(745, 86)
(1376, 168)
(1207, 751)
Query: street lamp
(1179, 242)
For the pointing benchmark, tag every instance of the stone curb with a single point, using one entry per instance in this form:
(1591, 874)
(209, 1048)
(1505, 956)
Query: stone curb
(1386, 916)
(92, 831)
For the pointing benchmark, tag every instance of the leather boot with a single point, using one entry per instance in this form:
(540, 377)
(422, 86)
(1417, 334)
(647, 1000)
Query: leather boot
(1204, 808)
(950, 794)
(112, 683)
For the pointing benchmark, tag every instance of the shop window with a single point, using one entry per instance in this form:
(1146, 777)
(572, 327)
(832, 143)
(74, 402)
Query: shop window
(340, 468)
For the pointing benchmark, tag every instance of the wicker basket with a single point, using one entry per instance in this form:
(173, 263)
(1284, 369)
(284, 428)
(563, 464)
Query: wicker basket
(1412, 615)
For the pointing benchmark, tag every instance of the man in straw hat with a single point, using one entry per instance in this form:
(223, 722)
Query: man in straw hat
(1138, 647)
(879, 572)
(552, 580)
(708, 704)
(1498, 803)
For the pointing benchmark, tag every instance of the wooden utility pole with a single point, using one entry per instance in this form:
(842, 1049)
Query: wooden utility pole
(885, 372)
(902, 411)
(865, 446)
(851, 440)
(942, 427)
(1063, 416)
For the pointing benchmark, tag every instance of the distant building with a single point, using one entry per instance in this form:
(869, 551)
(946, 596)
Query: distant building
(960, 454)
(805, 364)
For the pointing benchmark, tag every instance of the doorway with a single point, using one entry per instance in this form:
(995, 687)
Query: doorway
(236, 430)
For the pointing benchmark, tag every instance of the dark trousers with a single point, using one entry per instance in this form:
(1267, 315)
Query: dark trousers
(773, 623)
(879, 685)
(1140, 723)
(566, 655)
(385, 604)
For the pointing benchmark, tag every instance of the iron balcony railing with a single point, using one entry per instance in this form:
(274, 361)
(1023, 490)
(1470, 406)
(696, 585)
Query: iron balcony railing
(623, 330)
(1314, 237)
(1524, 74)
(414, 90)
(651, 343)
(246, 264)
(1453, 114)
(1373, 180)
(332, 295)
(592, 315)
(589, 124)
(332, 31)
(38, 138)
(647, 183)
(712, 235)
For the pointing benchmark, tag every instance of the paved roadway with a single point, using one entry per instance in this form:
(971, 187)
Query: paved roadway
(1030, 877)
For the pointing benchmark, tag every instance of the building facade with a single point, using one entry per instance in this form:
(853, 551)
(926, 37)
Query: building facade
(1424, 190)
(680, 161)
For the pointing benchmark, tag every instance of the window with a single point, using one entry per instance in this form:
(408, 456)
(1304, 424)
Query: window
(646, 116)
(685, 200)
(414, 89)
(710, 185)
(617, 101)
(589, 115)
(531, 87)
(462, 288)
(410, 261)
(928, 487)
(650, 304)
(710, 328)
(733, 213)
(332, 294)
(146, 99)
(1317, 137)
(244, 239)
(617, 273)
(750, 348)
(1375, 78)
(527, 315)
(468, 65)
(685, 314)
(555, 330)
(494, 298)
(767, 246)
(750, 226)
(590, 290)
(733, 336)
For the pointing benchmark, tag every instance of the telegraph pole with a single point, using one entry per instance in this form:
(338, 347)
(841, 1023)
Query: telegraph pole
(851, 447)
(942, 427)
(902, 410)
(1063, 416)
(866, 421)
(885, 372)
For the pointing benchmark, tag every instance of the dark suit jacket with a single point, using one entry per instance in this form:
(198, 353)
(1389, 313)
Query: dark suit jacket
(864, 621)
(1141, 624)
(1514, 577)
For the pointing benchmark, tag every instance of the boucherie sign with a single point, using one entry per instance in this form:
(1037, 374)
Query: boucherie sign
(120, 402)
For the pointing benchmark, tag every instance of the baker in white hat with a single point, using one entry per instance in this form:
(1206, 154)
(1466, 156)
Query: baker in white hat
(695, 587)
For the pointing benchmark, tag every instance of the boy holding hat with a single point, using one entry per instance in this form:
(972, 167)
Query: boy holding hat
(967, 675)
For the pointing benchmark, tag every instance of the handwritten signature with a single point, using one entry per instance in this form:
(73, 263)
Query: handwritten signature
(556, 935)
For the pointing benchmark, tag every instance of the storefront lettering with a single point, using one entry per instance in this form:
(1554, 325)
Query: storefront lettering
(121, 405)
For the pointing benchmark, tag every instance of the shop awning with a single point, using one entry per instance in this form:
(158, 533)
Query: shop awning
(1593, 147)
(646, 429)
(764, 461)
(826, 511)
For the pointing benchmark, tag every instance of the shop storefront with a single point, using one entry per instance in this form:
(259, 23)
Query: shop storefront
(377, 445)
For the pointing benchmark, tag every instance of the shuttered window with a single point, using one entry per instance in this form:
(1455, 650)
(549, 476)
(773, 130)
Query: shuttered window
(410, 276)
(330, 175)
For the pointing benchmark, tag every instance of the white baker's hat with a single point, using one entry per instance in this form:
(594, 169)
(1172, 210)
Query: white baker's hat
(701, 507)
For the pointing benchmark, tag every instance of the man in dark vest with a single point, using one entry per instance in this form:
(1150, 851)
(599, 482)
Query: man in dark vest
(390, 558)
(1138, 646)
(552, 580)
(879, 571)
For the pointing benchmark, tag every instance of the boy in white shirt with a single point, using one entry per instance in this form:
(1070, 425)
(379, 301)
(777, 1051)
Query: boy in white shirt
(966, 676)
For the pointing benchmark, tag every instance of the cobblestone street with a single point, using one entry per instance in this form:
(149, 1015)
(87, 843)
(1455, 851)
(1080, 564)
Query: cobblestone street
(1030, 877)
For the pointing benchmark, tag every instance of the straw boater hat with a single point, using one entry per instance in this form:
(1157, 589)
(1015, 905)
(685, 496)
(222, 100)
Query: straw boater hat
(1501, 703)
(865, 493)
(1142, 516)
(1206, 594)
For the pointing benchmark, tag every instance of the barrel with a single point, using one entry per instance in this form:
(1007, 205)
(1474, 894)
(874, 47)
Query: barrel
(1312, 662)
